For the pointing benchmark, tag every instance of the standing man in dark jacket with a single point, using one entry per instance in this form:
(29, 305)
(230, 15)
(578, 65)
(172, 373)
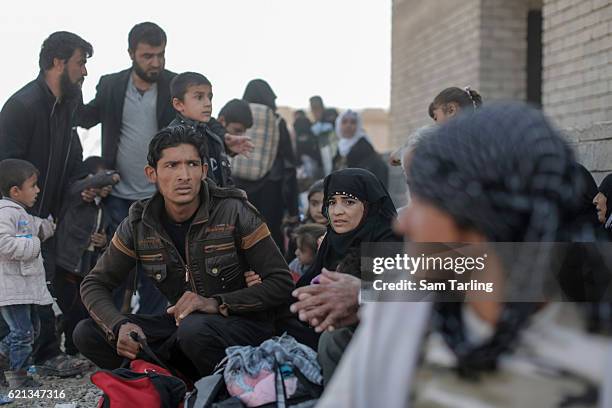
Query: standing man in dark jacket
(195, 241)
(36, 124)
(132, 105)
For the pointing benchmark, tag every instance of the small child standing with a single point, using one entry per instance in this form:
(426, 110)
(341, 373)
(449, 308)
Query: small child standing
(22, 274)
(306, 237)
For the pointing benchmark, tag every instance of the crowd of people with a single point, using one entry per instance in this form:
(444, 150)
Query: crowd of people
(199, 233)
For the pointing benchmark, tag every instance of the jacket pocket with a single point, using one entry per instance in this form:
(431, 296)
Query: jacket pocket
(154, 266)
(225, 267)
(33, 267)
(157, 272)
(221, 262)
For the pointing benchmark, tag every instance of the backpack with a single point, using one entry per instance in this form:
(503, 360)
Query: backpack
(143, 384)
(265, 135)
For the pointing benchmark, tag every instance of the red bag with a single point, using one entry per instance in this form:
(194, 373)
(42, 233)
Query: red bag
(144, 384)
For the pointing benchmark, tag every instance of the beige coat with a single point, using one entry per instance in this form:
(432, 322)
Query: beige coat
(22, 274)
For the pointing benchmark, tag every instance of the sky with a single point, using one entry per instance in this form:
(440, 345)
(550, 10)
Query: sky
(339, 49)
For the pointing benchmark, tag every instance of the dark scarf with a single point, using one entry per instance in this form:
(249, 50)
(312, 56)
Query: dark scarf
(375, 226)
(472, 360)
(605, 188)
(259, 91)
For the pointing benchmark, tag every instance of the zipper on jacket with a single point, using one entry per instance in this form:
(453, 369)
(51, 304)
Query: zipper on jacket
(188, 274)
(183, 262)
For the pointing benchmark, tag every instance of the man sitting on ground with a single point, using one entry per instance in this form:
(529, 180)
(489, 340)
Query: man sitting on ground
(195, 241)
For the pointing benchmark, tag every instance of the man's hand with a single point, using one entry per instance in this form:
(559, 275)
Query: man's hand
(126, 346)
(332, 303)
(88, 195)
(239, 144)
(105, 191)
(192, 302)
(252, 278)
(98, 239)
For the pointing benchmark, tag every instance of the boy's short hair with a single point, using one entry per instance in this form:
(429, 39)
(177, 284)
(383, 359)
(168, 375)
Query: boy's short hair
(14, 172)
(180, 83)
(146, 33)
(316, 100)
(307, 235)
(173, 136)
(237, 111)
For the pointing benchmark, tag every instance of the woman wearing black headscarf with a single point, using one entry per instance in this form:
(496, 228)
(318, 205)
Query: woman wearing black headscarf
(275, 193)
(604, 210)
(359, 209)
(587, 207)
(259, 91)
(599, 314)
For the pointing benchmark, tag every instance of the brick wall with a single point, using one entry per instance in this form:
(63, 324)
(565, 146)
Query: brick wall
(481, 43)
(577, 77)
(593, 147)
(435, 44)
(503, 52)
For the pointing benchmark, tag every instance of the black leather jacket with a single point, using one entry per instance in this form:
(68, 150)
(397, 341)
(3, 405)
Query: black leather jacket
(227, 238)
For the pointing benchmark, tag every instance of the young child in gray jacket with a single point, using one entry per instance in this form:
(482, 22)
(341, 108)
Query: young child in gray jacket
(22, 274)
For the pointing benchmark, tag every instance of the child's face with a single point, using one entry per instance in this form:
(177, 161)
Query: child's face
(443, 113)
(27, 193)
(196, 104)
(315, 204)
(235, 128)
(304, 255)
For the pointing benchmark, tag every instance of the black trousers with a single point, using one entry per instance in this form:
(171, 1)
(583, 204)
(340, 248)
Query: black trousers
(194, 348)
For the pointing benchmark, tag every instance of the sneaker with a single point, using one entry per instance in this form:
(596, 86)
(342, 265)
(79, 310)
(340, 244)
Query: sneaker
(62, 366)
